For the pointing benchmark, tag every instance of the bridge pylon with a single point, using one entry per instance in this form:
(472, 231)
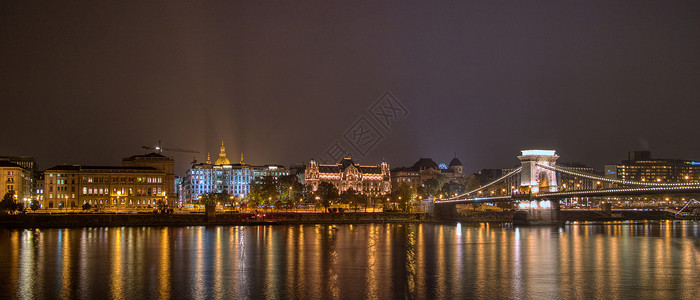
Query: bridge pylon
(535, 178)
(538, 212)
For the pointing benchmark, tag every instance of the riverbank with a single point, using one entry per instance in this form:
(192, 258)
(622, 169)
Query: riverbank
(44, 220)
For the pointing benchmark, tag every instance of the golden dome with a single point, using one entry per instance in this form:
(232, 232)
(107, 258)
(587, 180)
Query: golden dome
(222, 160)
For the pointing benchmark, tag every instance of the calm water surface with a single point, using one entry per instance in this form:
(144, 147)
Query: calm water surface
(407, 261)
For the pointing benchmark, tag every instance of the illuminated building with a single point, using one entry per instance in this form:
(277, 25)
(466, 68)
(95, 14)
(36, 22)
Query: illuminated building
(109, 187)
(569, 182)
(29, 164)
(16, 178)
(641, 167)
(366, 180)
(426, 168)
(162, 163)
(223, 176)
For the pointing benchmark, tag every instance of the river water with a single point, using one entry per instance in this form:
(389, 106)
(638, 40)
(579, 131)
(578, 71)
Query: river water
(650, 260)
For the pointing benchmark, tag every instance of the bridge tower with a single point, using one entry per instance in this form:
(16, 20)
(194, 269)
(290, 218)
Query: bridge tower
(535, 179)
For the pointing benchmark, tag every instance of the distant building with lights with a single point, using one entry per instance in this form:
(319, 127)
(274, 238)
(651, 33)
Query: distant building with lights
(223, 176)
(425, 169)
(367, 180)
(569, 182)
(17, 179)
(640, 166)
(162, 163)
(29, 164)
(109, 187)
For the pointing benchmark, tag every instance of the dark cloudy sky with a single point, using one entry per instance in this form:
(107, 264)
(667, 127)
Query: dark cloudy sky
(91, 82)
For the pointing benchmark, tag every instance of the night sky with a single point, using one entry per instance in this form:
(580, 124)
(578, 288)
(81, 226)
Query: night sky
(90, 82)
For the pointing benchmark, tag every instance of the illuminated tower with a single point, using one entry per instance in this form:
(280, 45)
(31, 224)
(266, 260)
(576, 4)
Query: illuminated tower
(535, 177)
(222, 160)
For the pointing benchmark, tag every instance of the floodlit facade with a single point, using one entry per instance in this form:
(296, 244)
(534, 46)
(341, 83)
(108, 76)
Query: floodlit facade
(109, 187)
(367, 180)
(223, 176)
(28, 163)
(162, 163)
(641, 167)
(17, 179)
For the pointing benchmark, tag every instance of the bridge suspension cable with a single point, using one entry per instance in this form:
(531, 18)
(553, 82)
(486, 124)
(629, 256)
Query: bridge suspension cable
(596, 177)
(516, 171)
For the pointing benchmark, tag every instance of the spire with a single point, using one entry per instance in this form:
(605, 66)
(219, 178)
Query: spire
(222, 160)
(208, 159)
(242, 161)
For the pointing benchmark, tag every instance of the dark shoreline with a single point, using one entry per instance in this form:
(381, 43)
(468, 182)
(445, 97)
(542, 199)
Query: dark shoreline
(199, 219)
(56, 220)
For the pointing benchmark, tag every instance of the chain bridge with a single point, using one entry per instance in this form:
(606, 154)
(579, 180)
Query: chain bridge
(534, 186)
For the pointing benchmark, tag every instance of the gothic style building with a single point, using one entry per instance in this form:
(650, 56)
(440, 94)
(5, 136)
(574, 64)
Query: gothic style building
(367, 180)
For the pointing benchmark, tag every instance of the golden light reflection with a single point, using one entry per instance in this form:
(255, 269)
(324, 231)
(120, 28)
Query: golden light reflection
(316, 282)
(613, 256)
(198, 285)
(292, 262)
(480, 277)
(14, 262)
(116, 279)
(565, 267)
(164, 274)
(66, 261)
(301, 261)
(599, 262)
(584, 261)
(332, 275)
(420, 259)
(272, 275)
(411, 261)
(218, 265)
(441, 262)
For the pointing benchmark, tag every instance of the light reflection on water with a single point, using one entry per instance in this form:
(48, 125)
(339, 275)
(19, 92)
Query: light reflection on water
(418, 261)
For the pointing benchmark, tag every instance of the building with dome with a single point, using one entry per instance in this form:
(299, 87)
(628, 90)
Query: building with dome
(223, 176)
(424, 169)
(370, 181)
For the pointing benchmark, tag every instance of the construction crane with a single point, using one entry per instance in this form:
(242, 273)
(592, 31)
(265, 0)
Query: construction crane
(159, 148)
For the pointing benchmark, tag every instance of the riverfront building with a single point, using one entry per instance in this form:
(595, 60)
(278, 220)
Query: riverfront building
(640, 166)
(107, 187)
(223, 176)
(367, 180)
(17, 179)
(28, 163)
(424, 169)
(159, 162)
(571, 183)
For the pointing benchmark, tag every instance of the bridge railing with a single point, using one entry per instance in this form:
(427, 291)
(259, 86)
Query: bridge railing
(610, 180)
